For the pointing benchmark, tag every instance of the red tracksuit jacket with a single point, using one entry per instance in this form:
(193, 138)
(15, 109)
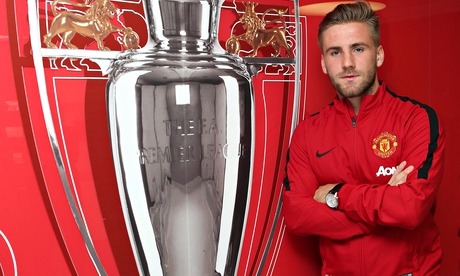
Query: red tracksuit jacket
(378, 229)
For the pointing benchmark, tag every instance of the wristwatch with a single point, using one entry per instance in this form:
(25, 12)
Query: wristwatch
(332, 200)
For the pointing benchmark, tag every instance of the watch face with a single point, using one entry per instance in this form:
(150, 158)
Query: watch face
(332, 201)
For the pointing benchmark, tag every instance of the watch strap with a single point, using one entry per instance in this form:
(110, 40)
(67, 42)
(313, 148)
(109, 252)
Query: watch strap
(336, 188)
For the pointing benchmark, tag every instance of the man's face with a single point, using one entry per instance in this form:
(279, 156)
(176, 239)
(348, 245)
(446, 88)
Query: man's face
(350, 59)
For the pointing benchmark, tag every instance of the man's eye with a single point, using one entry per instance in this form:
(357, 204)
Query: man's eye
(359, 50)
(334, 53)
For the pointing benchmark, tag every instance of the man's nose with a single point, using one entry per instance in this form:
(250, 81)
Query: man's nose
(348, 60)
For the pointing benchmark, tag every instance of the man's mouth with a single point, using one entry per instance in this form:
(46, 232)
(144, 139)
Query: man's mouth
(349, 77)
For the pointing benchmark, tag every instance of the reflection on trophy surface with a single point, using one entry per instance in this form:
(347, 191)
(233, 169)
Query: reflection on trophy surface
(180, 117)
(186, 201)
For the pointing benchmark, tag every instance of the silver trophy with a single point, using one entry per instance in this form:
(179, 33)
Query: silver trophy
(181, 127)
(181, 121)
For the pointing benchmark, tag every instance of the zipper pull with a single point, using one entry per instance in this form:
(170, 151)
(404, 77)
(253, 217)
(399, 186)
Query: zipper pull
(353, 121)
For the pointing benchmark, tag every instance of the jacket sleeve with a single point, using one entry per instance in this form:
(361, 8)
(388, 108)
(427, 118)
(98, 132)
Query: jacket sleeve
(408, 204)
(302, 214)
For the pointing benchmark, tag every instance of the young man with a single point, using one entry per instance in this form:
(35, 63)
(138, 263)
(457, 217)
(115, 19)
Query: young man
(363, 172)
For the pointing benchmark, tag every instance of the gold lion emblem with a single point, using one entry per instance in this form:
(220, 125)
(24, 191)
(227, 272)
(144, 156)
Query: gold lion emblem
(256, 35)
(94, 23)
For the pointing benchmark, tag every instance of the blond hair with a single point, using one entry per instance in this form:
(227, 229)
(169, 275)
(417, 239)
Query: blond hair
(359, 11)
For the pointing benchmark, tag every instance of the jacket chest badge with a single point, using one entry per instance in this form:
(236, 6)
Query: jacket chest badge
(384, 145)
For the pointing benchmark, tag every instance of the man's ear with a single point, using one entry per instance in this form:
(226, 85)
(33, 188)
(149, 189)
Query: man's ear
(380, 56)
(323, 65)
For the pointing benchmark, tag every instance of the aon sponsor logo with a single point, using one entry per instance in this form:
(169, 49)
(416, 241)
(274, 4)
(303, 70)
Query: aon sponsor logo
(385, 171)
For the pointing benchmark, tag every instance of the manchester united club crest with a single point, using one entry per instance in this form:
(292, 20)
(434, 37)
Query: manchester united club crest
(384, 145)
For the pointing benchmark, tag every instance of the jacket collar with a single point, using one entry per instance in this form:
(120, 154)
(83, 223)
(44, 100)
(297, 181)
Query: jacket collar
(369, 104)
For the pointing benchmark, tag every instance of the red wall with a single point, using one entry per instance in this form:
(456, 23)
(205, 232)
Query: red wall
(420, 40)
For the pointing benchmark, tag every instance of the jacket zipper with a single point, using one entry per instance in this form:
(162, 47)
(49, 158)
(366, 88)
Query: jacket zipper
(354, 124)
(353, 121)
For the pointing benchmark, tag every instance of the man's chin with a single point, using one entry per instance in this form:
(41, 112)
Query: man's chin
(349, 93)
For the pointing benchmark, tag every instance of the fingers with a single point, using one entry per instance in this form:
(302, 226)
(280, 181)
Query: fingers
(400, 174)
(397, 172)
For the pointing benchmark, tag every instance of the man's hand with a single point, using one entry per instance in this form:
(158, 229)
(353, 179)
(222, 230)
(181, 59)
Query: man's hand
(321, 192)
(400, 175)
